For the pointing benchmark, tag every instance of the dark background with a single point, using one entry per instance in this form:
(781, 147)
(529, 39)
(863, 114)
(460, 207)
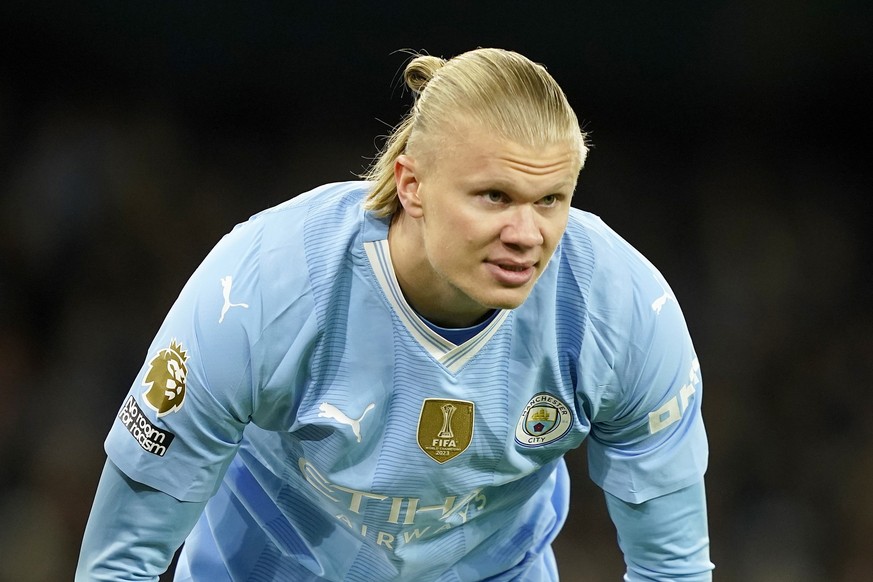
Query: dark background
(732, 147)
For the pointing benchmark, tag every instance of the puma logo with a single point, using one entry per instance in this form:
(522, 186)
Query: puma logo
(658, 304)
(226, 283)
(330, 411)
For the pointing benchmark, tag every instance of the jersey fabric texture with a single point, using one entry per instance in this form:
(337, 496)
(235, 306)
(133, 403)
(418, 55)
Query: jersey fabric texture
(337, 436)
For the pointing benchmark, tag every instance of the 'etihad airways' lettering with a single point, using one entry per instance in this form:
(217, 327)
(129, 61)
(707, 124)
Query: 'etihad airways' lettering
(672, 410)
(402, 511)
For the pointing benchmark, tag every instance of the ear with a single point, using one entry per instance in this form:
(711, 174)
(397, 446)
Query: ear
(407, 181)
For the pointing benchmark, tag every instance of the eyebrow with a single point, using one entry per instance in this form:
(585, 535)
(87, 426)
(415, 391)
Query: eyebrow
(502, 185)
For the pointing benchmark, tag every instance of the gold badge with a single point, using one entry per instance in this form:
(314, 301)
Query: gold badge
(445, 428)
(166, 379)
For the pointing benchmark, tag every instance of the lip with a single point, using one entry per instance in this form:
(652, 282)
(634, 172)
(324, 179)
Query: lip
(512, 273)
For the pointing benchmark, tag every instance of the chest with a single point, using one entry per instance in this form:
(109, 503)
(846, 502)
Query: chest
(380, 408)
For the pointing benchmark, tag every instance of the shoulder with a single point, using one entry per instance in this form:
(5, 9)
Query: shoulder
(272, 257)
(627, 305)
(612, 277)
(623, 285)
(311, 229)
(610, 251)
(322, 209)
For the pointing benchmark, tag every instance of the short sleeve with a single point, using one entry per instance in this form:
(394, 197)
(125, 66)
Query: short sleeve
(182, 420)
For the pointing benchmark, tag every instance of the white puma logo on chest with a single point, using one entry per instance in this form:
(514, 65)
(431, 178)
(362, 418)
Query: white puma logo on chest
(330, 411)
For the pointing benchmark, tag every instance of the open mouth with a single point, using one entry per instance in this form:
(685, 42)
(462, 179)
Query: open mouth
(515, 265)
(511, 274)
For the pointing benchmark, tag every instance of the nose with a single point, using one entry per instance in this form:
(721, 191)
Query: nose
(522, 228)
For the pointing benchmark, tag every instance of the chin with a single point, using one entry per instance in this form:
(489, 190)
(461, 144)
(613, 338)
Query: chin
(510, 300)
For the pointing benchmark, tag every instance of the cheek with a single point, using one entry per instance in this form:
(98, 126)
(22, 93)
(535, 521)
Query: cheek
(558, 227)
(454, 244)
(444, 240)
(552, 234)
(454, 230)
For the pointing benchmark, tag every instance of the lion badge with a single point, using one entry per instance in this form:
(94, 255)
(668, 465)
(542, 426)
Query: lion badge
(166, 379)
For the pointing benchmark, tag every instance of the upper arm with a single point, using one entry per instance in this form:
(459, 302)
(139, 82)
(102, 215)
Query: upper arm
(184, 415)
(647, 436)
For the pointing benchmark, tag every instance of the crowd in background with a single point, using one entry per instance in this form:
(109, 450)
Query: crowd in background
(750, 192)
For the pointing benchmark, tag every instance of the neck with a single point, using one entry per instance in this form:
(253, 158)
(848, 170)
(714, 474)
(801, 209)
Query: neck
(426, 291)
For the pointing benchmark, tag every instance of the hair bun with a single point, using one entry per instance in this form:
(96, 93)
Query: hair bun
(421, 70)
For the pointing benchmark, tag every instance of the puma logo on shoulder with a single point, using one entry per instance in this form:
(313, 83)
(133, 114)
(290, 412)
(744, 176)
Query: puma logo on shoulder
(658, 304)
(330, 411)
(226, 284)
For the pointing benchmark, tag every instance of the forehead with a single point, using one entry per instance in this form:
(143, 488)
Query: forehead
(475, 154)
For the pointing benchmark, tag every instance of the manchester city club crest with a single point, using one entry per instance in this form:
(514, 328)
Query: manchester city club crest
(445, 428)
(545, 419)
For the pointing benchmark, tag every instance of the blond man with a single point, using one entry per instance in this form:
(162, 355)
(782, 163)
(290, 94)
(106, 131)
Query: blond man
(416, 354)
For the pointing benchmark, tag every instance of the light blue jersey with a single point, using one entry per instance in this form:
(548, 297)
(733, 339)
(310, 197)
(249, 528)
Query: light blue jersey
(337, 436)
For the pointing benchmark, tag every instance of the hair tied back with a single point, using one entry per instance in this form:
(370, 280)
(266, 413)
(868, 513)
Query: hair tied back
(420, 70)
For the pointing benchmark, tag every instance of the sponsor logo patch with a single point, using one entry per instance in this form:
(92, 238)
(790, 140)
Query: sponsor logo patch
(165, 380)
(150, 438)
(545, 419)
(445, 428)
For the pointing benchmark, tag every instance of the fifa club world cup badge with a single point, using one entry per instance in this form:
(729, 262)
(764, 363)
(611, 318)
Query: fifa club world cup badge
(165, 380)
(445, 428)
(545, 419)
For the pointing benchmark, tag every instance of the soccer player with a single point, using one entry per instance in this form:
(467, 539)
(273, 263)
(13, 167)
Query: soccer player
(378, 380)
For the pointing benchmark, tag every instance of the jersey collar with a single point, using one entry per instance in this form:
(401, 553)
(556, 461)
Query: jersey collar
(453, 357)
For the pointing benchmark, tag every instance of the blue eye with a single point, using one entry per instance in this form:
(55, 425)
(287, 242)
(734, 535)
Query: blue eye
(495, 196)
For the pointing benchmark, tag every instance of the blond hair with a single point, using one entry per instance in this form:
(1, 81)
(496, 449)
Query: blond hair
(502, 90)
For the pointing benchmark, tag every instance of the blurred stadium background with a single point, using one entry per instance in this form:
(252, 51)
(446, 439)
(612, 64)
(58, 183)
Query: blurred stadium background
(732, 147)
